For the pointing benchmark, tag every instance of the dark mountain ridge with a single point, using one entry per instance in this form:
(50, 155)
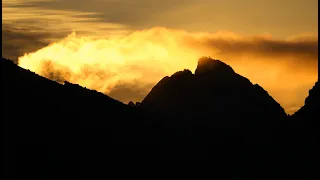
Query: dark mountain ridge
(51, 131)
(309, 112)
(212, 92)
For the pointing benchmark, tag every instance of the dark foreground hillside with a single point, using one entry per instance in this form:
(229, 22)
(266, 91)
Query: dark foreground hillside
(214, 122)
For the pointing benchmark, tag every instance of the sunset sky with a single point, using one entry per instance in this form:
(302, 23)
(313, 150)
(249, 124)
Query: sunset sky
(124, 47)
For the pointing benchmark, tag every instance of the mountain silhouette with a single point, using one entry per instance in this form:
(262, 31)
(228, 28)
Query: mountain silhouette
(310, 113)
(213, 91)
(42, 119)
(216, 97)
(214, 116)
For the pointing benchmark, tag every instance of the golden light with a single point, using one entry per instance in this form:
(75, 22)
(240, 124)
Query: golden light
(144, 57)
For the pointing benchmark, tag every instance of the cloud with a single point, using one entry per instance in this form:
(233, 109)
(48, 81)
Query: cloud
(126, 67)
(126, 12)
(26, 15)
(267, 47)
(110, 52)
(245, 17)
(26, 28)
(16, 42)
(229, 43)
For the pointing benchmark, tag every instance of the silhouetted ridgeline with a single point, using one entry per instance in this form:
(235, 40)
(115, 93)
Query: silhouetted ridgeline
(39, 115)
(309, 113)
(66, 131)
(211, 94)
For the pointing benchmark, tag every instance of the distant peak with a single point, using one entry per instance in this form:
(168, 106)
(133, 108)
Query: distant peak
(185, 72)
(131, 103)
(207, 64)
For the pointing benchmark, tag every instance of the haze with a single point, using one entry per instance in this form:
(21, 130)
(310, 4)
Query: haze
(123, 48)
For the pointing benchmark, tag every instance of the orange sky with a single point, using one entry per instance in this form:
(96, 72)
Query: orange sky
(122, 48)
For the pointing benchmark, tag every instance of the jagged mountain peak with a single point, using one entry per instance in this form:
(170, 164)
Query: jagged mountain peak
(214, 91)
(209, 65)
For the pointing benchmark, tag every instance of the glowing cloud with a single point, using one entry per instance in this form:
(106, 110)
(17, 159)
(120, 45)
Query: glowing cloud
(140, 59)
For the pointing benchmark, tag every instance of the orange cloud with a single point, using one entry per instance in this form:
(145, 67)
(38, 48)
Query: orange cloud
(138, 60)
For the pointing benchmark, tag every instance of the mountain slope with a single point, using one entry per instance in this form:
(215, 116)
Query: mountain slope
(309, 114)
(66, 131)
(40, 99)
